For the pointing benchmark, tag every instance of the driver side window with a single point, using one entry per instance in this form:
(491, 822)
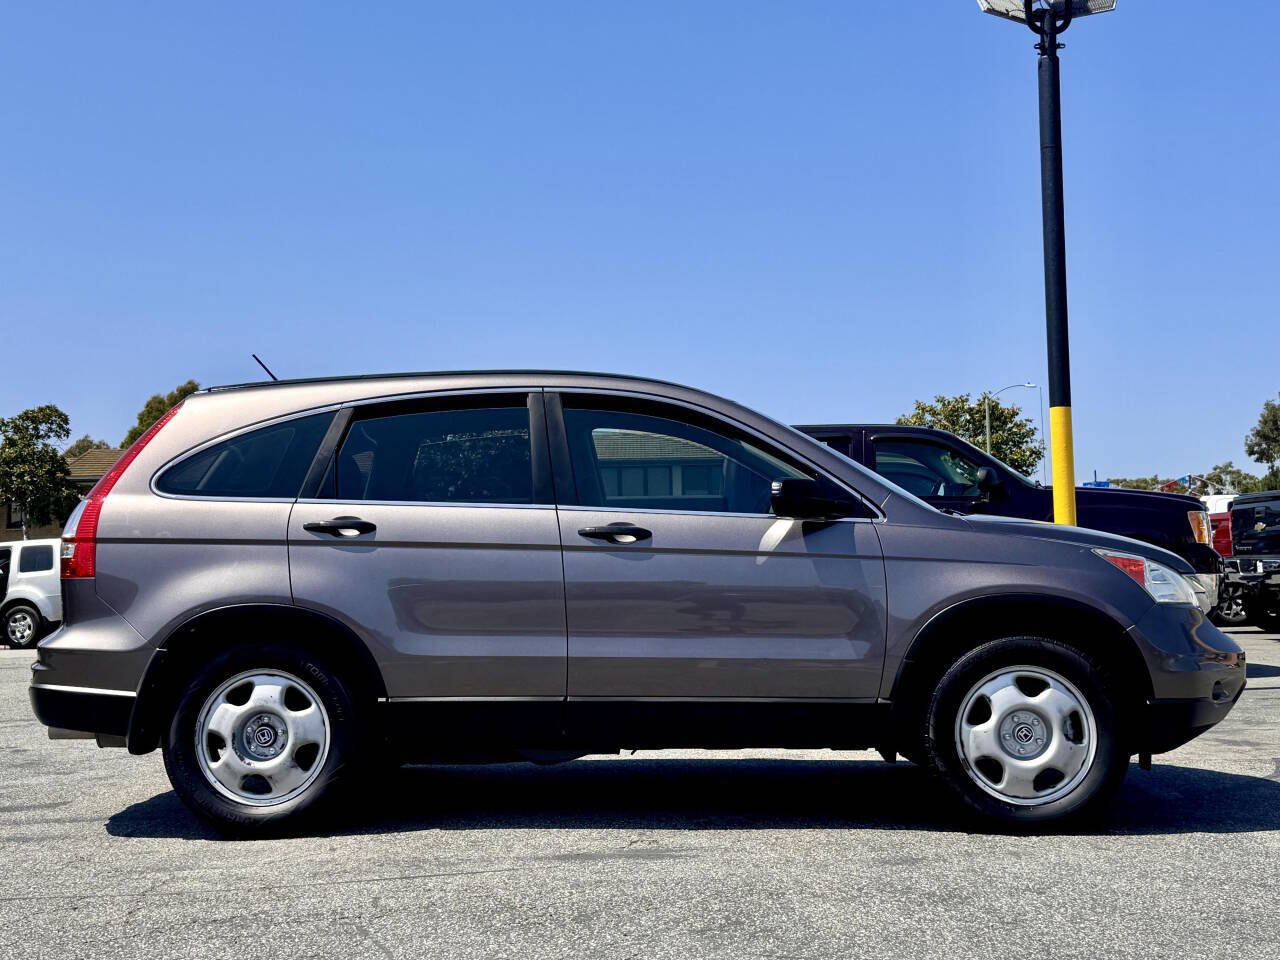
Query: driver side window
(926, 469)
(624, 460)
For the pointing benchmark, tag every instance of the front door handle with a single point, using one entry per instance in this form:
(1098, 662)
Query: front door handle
(341, 527)
(616, 533)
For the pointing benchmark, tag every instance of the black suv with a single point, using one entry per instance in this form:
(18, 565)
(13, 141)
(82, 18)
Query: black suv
(1253, 572)
(948, 473)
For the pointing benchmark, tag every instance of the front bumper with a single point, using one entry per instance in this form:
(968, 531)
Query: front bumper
(1209, 591)
(1169, 724)
(1197, 675)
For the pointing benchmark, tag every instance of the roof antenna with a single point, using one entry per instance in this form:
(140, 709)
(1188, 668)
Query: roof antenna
(264, 366)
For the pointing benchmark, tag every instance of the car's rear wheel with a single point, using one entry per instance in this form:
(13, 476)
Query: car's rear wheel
(261, 738)
(22, 625)
(1026, 731)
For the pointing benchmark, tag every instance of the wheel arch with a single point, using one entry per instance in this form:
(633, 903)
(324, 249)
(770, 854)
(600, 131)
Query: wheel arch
(21, 596)
(190, 644)
(964, 626)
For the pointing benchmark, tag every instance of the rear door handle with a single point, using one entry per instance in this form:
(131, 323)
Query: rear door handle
(616, 533)
(341, 527)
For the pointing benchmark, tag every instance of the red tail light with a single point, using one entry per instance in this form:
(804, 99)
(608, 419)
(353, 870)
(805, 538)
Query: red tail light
(80, 539)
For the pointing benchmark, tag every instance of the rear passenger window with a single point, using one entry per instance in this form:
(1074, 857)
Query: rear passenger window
(35, 559)
(439, 456)
(269, 463)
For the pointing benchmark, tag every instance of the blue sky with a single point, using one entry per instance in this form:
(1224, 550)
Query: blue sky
(825, 210)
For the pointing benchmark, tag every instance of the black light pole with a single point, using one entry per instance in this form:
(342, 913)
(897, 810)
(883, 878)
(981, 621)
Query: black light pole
(1048, 24)
(1048, 19)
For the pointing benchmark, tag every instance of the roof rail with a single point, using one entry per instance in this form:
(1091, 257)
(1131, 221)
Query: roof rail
(412, 374)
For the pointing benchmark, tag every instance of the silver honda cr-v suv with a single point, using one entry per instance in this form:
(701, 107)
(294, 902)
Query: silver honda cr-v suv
(281, 583)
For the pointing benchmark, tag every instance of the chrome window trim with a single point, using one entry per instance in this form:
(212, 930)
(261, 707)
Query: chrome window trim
(429, 503)
(654, 511)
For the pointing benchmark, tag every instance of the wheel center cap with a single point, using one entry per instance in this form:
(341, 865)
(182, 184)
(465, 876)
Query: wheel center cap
(264, 737)
(1024, 735)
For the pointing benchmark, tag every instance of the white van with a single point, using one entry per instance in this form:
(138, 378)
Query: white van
(30, 590)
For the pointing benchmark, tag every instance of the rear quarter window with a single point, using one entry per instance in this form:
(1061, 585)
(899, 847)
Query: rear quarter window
(35, 559)
(268, 463)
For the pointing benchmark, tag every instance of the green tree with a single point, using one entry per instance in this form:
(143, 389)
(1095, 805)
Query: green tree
(1014, 438)
(84, 445)
(157, 407)
(1137, 483)
(1224, 478)
(1263, 442)
(33, 474)
(1227, 477)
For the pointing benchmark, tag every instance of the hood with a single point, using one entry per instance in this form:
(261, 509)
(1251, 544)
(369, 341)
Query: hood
(1081, 537)
(1151, 499)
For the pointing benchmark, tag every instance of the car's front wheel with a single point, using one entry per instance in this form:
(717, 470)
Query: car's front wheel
(1231, 611)
(22, 625)
(261, 738)
(1026, 731)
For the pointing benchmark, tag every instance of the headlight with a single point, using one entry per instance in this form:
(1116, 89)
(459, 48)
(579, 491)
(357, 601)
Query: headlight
(1164, 584)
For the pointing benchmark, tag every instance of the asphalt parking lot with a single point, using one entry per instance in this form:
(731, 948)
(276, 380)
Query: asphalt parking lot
(768, 854)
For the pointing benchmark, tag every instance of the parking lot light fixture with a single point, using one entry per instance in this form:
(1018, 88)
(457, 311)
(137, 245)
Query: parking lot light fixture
(986, 399)
(1017, 9)
(1048, 19)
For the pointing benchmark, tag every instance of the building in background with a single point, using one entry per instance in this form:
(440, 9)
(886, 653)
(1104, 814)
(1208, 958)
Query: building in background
(86, 470)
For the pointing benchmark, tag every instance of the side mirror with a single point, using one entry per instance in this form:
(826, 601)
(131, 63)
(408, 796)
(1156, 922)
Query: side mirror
(989, 482)
(799, 498)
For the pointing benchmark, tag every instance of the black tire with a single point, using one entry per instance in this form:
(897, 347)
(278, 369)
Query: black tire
(1101, 778)
(1267, 618)
(15, 615)
(345, 725)
(1231, 611)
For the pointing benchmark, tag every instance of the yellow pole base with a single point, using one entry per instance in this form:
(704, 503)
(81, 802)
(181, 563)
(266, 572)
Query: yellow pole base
(1064, 466)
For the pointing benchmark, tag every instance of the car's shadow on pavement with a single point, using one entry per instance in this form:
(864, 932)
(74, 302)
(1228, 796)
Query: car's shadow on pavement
(728, 794)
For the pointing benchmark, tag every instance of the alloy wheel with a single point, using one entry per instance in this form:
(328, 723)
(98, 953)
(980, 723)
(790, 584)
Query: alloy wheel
(1233, 609)
(1026, 735)
(262, 737)
(20, 627)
